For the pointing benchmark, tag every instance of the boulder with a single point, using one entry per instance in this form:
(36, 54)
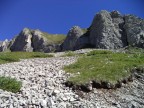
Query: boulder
(4, 45)
(23, 41)
(104, 33)
(71, 39)
(134, 28)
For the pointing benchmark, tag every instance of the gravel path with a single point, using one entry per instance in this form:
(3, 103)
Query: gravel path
(42, 84)
(42, 87)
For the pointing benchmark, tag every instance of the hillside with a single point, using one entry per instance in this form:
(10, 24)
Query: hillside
(54, 38)
(42, 80)
(101, 66)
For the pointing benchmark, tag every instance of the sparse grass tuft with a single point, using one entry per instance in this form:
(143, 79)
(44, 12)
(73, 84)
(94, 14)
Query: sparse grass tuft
(133, 50)
(68, 54)
(100, 65)
(95, 52)
(10, 84)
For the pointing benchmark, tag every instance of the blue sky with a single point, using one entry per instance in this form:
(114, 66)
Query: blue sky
(58, 16)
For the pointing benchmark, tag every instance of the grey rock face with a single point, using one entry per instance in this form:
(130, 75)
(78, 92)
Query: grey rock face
(83, 41)
(108, 31)
(72, 37)
(118, 21)
(32, 40)
(104, 33)
(4, 45)
(23, 41)
(134, 27)
(39, 42)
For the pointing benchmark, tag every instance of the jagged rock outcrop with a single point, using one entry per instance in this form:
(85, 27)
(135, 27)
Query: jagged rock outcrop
(4, 45)
(118, 21)
(109, 30)
(23, 41)
(105, 31)
(39, 41)
(83, 41)
(134, 28)
(33, 40)
(72, 37)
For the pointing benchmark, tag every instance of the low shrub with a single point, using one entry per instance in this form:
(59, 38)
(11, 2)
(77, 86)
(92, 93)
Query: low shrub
(10, 84)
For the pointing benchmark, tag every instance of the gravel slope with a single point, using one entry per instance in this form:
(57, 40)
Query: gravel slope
(43, 87)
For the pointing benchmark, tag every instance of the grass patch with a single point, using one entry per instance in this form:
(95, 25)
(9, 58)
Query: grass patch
(103, 65)
(10, 84)
(134, 50)
(6, 57)
(54, 38)
(92, 53)
(68, 54)
(84, 30)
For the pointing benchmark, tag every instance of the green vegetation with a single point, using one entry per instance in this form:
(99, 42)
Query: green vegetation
(68, 54)
(104, 65)
(10, 84)
(54, 38)
(134, 50)
(99, 52)
(71, 53)
(84, 30)
(6, 57)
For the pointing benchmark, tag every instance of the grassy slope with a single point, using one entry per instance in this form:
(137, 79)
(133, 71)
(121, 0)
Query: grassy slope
(104, 66)
(84, 30)
(6, 57)
(54, 38)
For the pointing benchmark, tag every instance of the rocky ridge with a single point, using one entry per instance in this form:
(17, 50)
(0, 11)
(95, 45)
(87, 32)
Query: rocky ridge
(31, 40)
(109, 30)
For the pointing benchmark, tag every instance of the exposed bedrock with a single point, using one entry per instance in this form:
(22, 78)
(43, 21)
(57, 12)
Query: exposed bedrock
(23, 41)
(72, 37)
(105, 30)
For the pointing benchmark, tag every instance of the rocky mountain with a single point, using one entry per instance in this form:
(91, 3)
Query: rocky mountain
(109, 30)
(4, 45)
(33, 40)
(73, 35)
